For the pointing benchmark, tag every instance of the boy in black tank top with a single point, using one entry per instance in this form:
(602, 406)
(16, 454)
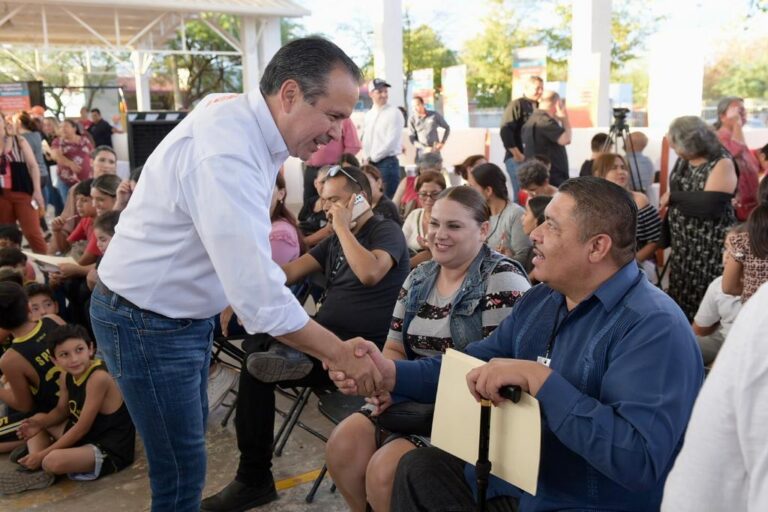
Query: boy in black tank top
(26, 365)
(89, 433)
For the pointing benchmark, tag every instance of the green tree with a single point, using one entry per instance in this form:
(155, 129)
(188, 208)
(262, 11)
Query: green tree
(423, 48)
(290, 30)
(739, 70)
(488, 56)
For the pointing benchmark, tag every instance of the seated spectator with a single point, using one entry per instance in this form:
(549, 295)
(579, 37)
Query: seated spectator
(597, 144)
(104, 192)
(365, 267)
(613, 168)
(41, 301)
(10, 236)
(382, 205)
(406, 196)
(30, 374)
(11, 257)
(618, 376)
(533, 218)
(534, 179)
(89, 434)
(722, 463)
(506, 234)
(459, 296)
(313, 222)
(469, 163)
(645, 171)
(349, 160)
(103, 229)
(746, 267)
(104, 161)
(714, 319)
(429, 185)
(83, 231)
(11, 275)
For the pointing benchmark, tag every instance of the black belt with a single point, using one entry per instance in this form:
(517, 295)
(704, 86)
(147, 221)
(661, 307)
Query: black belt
(120, 299)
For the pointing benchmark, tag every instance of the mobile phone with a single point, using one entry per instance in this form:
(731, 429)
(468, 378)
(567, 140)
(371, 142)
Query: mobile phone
(359, 206)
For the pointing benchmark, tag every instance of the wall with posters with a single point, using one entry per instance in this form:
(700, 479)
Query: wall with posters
(20, 96)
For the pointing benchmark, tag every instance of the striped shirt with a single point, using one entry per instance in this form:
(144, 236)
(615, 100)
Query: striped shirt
(429, 332)
(648, 225)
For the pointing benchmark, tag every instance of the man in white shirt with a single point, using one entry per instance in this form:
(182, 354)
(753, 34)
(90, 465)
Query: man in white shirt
(724, 462)
(383, 134)
(195, 237)
(714, 319)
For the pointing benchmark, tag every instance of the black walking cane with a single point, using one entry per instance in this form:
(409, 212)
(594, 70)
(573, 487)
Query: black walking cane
(483, 465)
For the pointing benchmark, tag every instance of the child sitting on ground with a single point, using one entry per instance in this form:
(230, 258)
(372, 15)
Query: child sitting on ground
(10, 236)
(41, 301)
(10, 257)
(89, 434)
(104, 229)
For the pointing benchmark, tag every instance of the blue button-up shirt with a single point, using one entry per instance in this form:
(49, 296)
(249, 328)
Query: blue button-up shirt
(627, 370)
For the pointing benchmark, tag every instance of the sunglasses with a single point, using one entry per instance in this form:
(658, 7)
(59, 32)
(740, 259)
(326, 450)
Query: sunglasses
(336, 169)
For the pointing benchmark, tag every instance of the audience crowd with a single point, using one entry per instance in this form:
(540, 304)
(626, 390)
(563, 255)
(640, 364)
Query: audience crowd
(560, 284)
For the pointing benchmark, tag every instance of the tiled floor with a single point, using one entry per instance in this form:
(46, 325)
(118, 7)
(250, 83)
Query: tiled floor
(129, 489)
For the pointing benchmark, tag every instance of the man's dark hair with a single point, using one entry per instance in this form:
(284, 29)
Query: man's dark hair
(14, 305)
(10, 232)
(351, 186)
(107, 222)
(598, 141)
(532, 172)
(33, 289)
(95, 111)
(419, 100)
(84, 188)
(348, 159)
(603, 207)
(490, 175)
(66, 332)
(308, 61)
(12, 257)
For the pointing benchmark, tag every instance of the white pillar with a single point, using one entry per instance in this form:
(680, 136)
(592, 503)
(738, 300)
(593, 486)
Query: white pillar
(675, 86)
(388, 48)
(589, 70)
(249, 43)
(142, 65)
(270, 41)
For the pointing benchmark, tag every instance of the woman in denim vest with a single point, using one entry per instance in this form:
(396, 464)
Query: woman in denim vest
(458, 297)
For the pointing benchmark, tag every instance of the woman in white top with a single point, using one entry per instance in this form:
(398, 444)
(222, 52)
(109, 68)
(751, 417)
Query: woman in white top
(429, 184)
(506, 235)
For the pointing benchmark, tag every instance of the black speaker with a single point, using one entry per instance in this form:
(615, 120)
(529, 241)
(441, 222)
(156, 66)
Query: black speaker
(145, 132)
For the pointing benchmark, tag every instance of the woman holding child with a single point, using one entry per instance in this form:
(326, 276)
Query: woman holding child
(460, 296)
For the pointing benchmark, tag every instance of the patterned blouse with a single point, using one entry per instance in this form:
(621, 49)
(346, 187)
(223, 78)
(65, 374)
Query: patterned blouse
(755, 269)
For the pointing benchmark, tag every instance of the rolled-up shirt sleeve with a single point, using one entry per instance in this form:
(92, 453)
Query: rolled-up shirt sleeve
(228, 200)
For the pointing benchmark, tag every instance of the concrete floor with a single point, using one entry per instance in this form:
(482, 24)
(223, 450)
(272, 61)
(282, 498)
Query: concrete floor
(128, 490)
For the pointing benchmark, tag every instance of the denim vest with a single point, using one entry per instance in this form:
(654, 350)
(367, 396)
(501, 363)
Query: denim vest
(466, 312)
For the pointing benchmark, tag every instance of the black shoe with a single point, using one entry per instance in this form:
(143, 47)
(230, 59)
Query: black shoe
(238, 497)
(279, 363)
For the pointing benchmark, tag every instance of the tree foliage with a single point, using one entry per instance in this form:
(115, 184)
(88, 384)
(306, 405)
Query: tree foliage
(740, 70)
(423, 48)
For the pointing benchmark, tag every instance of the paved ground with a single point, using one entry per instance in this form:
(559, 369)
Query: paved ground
(129, 489)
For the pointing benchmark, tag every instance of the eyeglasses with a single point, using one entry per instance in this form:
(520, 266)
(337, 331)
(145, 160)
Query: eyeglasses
(336, 169)
(430, 195)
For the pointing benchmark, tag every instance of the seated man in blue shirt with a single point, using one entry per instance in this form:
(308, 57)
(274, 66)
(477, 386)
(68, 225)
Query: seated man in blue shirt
(610, 357)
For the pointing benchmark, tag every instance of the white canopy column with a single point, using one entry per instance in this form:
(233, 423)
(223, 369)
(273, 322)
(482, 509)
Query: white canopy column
(249, 41)
(388, 49)
(142, 66)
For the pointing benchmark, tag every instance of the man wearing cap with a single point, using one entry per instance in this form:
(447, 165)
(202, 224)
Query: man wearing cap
(382, 135)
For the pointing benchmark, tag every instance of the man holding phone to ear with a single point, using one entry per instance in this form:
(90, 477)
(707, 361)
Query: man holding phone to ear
(365, 262)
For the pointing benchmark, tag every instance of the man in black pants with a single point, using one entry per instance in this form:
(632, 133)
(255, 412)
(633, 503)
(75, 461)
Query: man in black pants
(365, 263)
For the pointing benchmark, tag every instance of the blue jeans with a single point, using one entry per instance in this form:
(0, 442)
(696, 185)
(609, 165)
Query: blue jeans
(161, 365)
(512, 171)
(389, 168)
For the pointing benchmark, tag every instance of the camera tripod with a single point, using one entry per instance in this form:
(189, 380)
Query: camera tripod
(620, 130)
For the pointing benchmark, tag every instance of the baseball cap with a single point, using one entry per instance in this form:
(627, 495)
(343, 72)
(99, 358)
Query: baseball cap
(377, 83)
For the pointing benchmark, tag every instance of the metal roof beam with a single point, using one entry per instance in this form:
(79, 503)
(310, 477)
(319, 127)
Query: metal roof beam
(146, 29)
(10, 15)
(219, 30)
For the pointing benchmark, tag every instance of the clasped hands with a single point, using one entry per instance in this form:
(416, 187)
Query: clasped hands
(484, 382)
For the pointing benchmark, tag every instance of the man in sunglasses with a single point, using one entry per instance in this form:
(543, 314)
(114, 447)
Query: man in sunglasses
(364, 262)
(195, 237)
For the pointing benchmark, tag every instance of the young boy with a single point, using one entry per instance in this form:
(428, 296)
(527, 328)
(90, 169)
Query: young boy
(104, 229)
(597, 145)
(41, 301)
(89, 434)
(26, 365)
(10, 237)
(83, 231)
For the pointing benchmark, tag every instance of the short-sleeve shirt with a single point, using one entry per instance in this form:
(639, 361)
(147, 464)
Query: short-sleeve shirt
(540, 134)
(84, 231)
(348, 308)
(429, 333)
(387, 209)
(755, 268)
(101, 133)
(80, 153)
(717, 306)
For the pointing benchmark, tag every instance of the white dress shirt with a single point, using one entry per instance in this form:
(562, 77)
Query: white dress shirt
(195, 234)
(382, 132)
(724, 462)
